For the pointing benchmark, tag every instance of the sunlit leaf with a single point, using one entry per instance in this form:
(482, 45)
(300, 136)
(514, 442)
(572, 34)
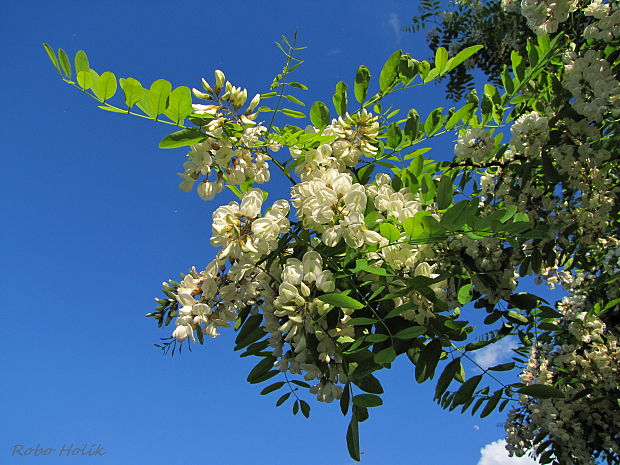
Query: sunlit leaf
(362, 78)
(179, 104)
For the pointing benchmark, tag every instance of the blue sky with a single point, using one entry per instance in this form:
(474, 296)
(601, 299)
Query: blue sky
(94, 222)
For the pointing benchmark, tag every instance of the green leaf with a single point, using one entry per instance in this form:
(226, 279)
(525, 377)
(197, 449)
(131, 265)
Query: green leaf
(319, 115)
(411, 129)
(305, 408)
(503, 367)
(461, 57)
(179, 104)
(524, 301)
(362, 78)
(249, 326)
(353, 439)
(257, 347)
(290, 98)
(297, 85)
(65, 63)
(517, 316)
(431, 75)
(293, 113)
(300, 383)
(427, 362)
(81, 61)
(105, 87)
(345, 399)
(491, 403)
(464, 294)
(85, 79)
(445, 191)
(394, 135)
(370, 384)
(374, 338)
(389, 72)
(340, 98)
(458, 215)
(427, 191)
(507, 81)
(52, 56)
(341, 301)
(446, 377)
(133, 91)
(407, 69)
(433, 121)
(389, 231)
(182, 138)
(360, 321)
(466, 390)
(282, 399)
(367, 400)
(260, 369)
(272, 387)
(82, 70)
(387, 355)
(441, 59)
(410, 333)
(462, 114)
(156, 99)
(112, 109)
(542, 391)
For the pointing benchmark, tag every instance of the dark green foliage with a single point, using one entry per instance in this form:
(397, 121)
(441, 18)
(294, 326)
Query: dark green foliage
(464, 25)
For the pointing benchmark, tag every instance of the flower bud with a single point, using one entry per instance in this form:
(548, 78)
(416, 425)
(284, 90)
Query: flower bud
(206, 86)
(219, 80)
(199, 94)
(255, 101)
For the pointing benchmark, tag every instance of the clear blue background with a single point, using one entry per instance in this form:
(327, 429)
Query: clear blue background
(94, 222)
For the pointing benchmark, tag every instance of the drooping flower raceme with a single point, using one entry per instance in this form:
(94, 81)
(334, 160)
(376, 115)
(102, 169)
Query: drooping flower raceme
(224, 158)
(590, 79)
(293, 319)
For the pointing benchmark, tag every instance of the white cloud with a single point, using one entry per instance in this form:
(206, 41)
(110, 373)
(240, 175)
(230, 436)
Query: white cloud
(334, 51)
(394, 23)
(500, 352)
(496, 454)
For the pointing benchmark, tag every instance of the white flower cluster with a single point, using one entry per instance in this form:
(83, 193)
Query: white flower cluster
(232, 157)
(408, 259)
(590, 79)
(544, 16)
(588, 414)
(354, 136)
(242, 234)
(391, 204)
(206, 301)
(494, 275)
(476, 144)
(293, 317)
(212, 298)
(333, 206)
(529, 134)
(581, 164)
(607, 24)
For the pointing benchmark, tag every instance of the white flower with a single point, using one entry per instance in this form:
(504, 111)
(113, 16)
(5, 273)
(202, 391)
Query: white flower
(251, 203)
(475, 143)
